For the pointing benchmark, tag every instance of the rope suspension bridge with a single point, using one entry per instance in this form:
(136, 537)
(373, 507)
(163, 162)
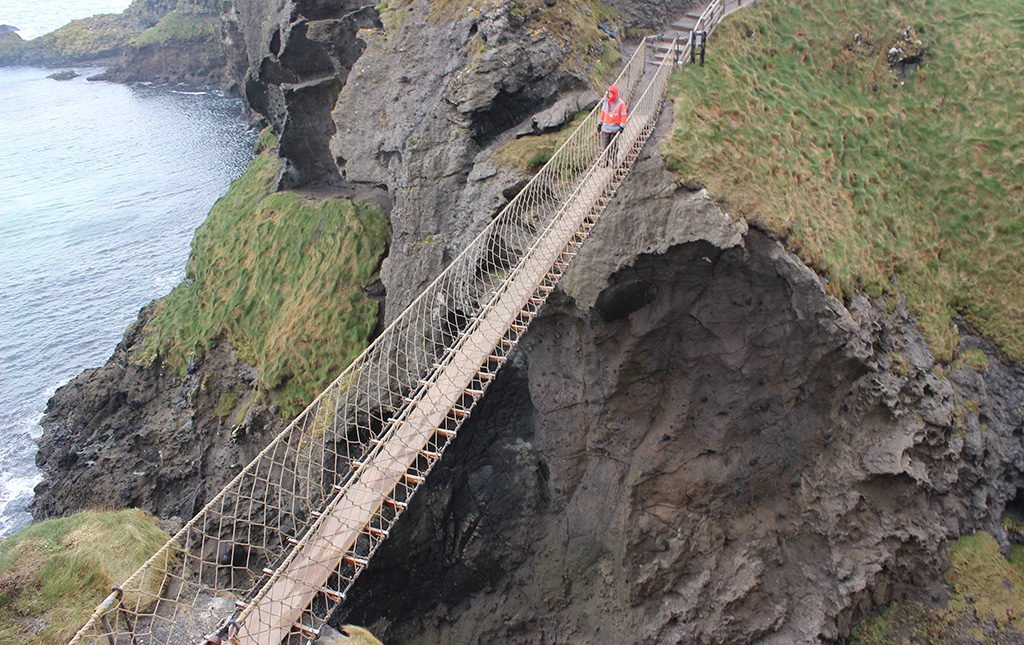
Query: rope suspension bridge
(275, 552)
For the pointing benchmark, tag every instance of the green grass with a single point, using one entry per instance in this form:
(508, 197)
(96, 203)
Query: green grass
(983, 585)
(914, 188)
(225, 404)
(54, 573)
(181, 26)
(79, 40)
(281, 278)
(531, 152)
(972, 358)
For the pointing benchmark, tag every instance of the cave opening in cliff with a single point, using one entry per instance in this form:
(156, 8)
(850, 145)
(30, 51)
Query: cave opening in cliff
(1015, 507)
(507, 110)
(618, 302)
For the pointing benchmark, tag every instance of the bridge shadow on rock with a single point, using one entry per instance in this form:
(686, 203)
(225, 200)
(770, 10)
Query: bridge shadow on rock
(685, 462)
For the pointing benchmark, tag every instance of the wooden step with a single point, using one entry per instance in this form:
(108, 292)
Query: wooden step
(354, 560)
(333, 594)
(662, 46)
(307, 631)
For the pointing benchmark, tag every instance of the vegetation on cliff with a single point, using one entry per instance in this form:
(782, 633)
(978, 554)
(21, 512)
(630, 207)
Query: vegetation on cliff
(282, 278)
(986, 601)
(531, 152)
(54, 573)
(78, 41)
(884, 171)
(144, 22)
(181, 26)
(591, 51)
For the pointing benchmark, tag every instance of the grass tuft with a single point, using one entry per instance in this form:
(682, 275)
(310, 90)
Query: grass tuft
(911, 186)
(973, 358)
(55, 572)
(225, 404)
(986, 589)
(280, 277)
(180, 26)
(531, 152)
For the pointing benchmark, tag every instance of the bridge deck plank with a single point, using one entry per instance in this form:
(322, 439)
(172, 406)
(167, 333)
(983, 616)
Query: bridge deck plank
(319, 555)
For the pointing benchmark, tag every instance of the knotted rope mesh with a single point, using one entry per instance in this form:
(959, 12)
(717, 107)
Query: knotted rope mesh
(271, 556)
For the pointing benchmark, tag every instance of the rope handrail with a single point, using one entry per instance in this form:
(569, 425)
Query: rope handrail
(279, 547)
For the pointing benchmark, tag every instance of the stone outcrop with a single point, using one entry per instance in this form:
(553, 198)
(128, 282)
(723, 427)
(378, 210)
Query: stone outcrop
(695, 443)
(197, 64)
(190, 47)
(300, 57)
(698, 444)
(125, 435)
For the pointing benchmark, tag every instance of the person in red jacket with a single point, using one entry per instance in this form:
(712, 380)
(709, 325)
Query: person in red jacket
(611, 120)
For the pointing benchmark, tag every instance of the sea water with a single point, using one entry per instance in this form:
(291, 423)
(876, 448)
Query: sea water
(101, 188)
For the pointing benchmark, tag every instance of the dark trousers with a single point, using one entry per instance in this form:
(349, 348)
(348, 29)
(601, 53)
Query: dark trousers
(608, 141)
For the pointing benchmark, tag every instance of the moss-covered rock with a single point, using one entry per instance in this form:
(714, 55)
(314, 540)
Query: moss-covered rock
(986, 601)
(65, 75)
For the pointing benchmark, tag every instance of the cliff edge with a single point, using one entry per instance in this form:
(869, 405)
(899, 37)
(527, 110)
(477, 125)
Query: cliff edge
(701, 439)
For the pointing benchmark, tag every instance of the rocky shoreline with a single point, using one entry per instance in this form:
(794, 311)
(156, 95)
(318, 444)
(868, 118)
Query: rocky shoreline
(696, 442)
(155, 41)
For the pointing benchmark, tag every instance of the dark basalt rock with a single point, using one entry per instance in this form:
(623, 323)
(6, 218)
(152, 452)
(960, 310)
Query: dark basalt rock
(698, 444)
(695, 443)
(140, 435)
(298, 66)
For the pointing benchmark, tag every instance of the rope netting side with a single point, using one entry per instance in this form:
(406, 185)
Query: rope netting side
(296, 496)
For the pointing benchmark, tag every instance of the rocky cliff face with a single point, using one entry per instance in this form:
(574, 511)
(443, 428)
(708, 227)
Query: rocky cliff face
(128, 435)
(415, 103)
(190, 44)
(304, 51)
(698, 444)
(695, 443)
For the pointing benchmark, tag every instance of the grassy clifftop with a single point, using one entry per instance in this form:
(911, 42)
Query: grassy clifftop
(912, 185)
(79, 40)
(54, 573)
(282, 279)
(182, 26)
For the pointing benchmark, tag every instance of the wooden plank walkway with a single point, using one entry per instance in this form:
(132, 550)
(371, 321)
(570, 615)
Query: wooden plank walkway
(364, 498)
(278, 608)
(661, 45)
